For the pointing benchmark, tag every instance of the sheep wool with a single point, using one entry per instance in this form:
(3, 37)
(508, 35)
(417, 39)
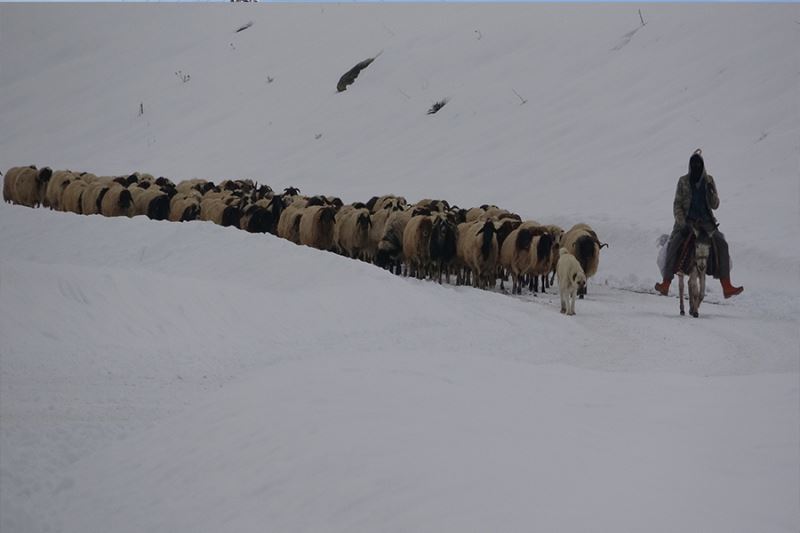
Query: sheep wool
(316, 227)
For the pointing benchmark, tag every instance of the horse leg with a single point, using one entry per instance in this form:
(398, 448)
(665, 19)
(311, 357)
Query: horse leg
(680, 293)
(694, 296)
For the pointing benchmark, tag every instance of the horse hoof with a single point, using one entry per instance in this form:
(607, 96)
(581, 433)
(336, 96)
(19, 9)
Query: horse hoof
(683, 313)
(695, 314)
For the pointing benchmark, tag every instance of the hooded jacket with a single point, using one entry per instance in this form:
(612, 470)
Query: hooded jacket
(683, 197)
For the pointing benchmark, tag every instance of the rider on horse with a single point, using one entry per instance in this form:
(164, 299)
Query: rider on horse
(695, 198)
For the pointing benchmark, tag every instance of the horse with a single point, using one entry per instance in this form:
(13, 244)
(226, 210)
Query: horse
(693, 262)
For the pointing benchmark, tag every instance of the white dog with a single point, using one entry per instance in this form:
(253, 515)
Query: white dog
(570, 279)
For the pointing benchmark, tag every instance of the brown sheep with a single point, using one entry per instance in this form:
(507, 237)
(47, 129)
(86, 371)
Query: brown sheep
(117, 202)
(316, 226)
(417, 245)
(351, 234)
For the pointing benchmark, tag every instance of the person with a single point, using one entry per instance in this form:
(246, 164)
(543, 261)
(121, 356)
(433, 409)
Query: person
(695, 199)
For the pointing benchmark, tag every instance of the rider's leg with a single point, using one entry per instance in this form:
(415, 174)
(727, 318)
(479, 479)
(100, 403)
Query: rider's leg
(676, 239)
(724, 268)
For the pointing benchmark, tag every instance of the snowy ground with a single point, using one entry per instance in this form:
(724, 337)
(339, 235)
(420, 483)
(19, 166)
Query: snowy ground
(187, 377)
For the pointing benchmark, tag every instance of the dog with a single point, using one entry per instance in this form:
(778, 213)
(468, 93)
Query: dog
(570, 279)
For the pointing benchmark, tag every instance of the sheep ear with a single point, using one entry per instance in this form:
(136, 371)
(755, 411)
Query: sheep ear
(575, 276)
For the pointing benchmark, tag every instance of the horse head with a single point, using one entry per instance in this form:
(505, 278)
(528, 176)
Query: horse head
(702, 246)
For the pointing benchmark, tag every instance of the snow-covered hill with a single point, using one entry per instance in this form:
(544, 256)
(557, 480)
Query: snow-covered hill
(187, 377)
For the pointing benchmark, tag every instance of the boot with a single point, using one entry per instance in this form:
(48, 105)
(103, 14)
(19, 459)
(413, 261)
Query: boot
(663, 287)
(729, 290)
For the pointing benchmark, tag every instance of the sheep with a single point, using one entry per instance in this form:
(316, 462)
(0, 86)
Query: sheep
(474, 214)
(316, 226)
(433, 205)
(55, 188)
(184, 206)
(117, 202)
(256, 219)
(218, 211)
(417, 245)
(503, 229)
(273, 204)
(390, 245)
(289, 222)
(150, 201)
(9, 182)
(71, 199)
(27, 185)
(351, 233)
(558, 234)
(443, 244)
(478, 251)
(571, 279)
(378, 222)
(541, 259)
(376, 203)
(582, 242)
(515, 256)
(93, 196)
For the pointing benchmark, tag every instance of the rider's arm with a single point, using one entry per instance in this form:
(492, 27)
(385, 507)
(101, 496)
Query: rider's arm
(713, 197)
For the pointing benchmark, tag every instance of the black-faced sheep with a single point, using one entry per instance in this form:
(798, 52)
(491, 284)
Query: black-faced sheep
(582, 242)
(289, 222)
(184, 207)
(218, 211)
(316, 226)
(417, 245)
(541, 259)
(515, 256)
(443, 246)
(9, 180)
(390, 244)
(376, 203)
(55, 188)
(351, 234)
(256, 219)
(93, 196)
(26, 185)
(71, 199)
(478, 251)
(150, 201)
(117, 202)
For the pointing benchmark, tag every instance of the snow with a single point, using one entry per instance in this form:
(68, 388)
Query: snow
(160, 376)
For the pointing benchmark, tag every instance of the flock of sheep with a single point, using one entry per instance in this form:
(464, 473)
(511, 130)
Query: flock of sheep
(430, 238)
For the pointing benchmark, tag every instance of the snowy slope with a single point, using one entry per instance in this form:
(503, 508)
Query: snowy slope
(187, 377)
